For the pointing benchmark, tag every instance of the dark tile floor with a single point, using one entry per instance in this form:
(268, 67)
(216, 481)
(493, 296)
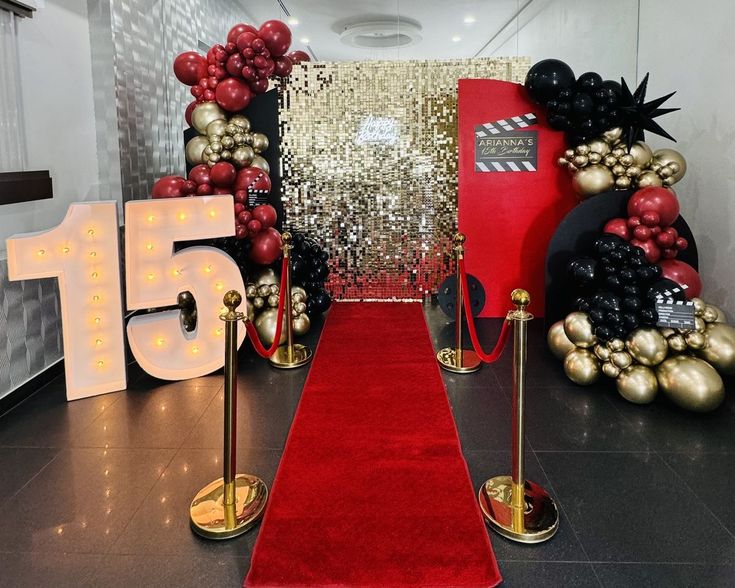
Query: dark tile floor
(96, 492)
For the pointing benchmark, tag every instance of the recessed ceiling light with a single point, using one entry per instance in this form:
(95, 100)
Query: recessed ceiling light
(469, 19)
(293, 21)
(305, 40)
(456, 39)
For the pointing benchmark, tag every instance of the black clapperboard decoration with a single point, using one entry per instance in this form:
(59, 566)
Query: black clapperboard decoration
(506, 145)
(675, 314)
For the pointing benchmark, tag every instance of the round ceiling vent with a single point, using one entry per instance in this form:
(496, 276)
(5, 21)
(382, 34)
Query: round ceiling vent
(381, 34)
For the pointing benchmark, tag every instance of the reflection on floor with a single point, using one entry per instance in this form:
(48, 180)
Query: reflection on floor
(96, 492)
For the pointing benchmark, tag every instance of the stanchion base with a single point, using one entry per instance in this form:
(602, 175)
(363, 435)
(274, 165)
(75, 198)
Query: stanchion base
(301, 356)
(447, 359)
(207, 512)
(540, 520)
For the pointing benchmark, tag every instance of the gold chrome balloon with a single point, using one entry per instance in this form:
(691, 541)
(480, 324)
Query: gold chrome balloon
(251, 291)
(602, 352)
(301, 324)
(205, 113)
(616, 344)
(647, 346)
(558, 341)
(610, 370)
(194, 149)
(642, 154)
(699, 306)
(216, 128)
(613, 136)
(621, 359)
(266, 276)
(593, 179)
(598, 146)
(242, 156)
(677, 343)
(637, 384)
(578, 329)
(298, 290)
(582, 367)
(273, 300)
(264, 290)
(719, 348)
(260, 142)
(710, 314)
(260, 163)
(241, 121)
(691, 383)
(265, 323)
(668, 156)
(649, 178)
(695, 340)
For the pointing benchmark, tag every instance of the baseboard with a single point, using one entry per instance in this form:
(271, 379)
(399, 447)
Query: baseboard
(10, 401)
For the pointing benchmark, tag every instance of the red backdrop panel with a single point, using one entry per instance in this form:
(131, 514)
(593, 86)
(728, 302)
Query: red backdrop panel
(508, 216)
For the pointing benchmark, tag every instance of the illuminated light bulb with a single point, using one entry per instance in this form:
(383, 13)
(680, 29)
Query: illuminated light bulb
(218, 332)
(160, 341)
(93, 254)
(195, 349)
(219, 286)
(182, 216)
(212, 213)
(100, 364)
(90, 232)
(97, 320)
(149, 246)
(41, 252)
(151, 218)
(95, 275)
(150, 276)
(60, 530)
(208, 269)
(177, 272)
(96, 298)
(98, 342)
(66, 249)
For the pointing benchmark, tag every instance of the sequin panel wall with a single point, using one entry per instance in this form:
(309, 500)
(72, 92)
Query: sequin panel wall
(369, 163)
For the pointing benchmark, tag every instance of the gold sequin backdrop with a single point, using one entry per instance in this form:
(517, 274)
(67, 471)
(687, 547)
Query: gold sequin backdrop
(369, 164)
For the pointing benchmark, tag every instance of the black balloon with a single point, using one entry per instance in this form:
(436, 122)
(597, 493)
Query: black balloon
(546, 79)
(589, 81)
(582, 271)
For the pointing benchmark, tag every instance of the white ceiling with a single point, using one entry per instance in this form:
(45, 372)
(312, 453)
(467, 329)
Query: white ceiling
(321, 21)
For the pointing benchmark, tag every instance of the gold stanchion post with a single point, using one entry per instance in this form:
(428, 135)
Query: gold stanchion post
(290, 355)
(515, 507)
(456, 359)
(229, 506)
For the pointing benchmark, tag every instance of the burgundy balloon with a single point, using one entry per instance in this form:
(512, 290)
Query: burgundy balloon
(204, 189)
(254, 226)
(298, 56)
(659, 200)
(245, 41)
(189, 109)
(258, 45)
(239, 208)
(231, 47)
(222, 191)
(223, 175)
(266, 246)
(282, 66)
(260, 62)
(259, 86)
(233, 94)
(209, 95)
(190, 67)
(683, 274)
(266, 214)
(241, 196)
(169, 187)
(241, 232)
(235, 63)
(200, 174)
(190, 187)
(238, 30)
(248, 72)
(244, 217)
(619, 227)
(652, 251)
(277, 37)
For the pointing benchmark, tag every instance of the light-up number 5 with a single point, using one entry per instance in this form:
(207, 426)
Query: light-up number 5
(82, 252)
(155, 275)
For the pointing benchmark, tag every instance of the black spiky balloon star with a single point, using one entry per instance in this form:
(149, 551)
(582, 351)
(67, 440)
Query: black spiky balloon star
(637, 115)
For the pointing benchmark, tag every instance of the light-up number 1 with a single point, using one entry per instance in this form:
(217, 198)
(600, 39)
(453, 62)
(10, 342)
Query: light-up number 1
(83, 253)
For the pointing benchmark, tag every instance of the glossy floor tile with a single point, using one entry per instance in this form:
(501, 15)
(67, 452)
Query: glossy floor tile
(96, 492)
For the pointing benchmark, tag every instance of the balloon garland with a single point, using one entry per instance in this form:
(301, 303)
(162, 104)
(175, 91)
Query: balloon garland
(613, 328)
(310, 270)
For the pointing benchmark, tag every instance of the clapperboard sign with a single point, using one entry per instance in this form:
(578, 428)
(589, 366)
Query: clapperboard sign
(675, 314)
(507, 145)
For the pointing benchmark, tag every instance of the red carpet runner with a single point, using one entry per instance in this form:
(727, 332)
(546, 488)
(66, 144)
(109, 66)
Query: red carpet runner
(372, 489)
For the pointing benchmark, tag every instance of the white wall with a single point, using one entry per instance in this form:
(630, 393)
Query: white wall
(690, 47)
(58, 113)
(589, 35)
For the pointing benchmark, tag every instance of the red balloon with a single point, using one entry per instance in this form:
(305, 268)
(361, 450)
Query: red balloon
(652, 251)
(204, 190)
(259, 86)
(241, 195)
(222, 191)
(650, 218)
(260, 62)
(681, 243)
(169, 187)
(190, 67)
(238, 30)
(230, 47)
(298, 56)
(233, 94)
(245, 41)
(283, 66)
(619, 227)
(235, 63)
(277, 37)
(200, 174)
(254, 226)
(223, 175)
(254, 180)
(660, 200)
(266, 246)
(190, 187)
(241, 232)
(668, 253)
(189, 110)
(248, 72)
(683, 274)
(665, 239)
(634, 221)
(244, 217)
(266, 214)
(239, 208)
(258, 45)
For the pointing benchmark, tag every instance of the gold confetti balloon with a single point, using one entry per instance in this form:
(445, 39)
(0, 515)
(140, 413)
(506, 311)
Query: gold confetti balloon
(719, 347)
(582, 367)
(647, 346)
(205, 113)
(637, 384)
(578, 329)
(558, 341)
(691, 383)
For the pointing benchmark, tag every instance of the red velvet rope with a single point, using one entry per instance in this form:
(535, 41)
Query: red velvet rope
(505, 331)
(250, 327)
